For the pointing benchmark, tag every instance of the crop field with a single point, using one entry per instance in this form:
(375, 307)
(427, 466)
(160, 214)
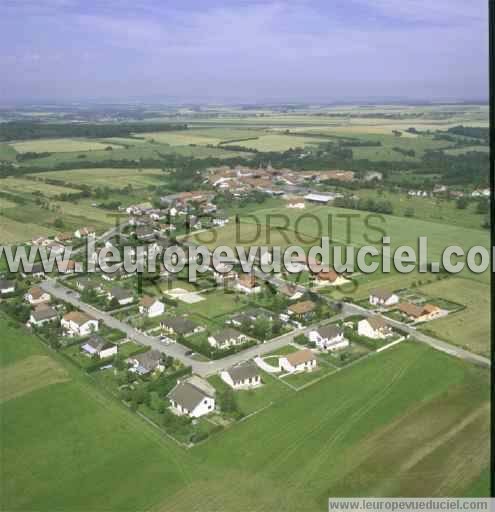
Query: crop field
(469, 328)
(106, 177)
(336, 437)
(25, 186)
(181, 138)
(7, 153)
(135, 151)
(12, 231)
(467, 149)
(59, 145)
(278, 142)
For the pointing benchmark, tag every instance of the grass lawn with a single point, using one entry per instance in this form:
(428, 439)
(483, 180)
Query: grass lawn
(368, 430)
(282, 351)
(7, 153)
(470, 327)
(253, 400)
(216, 303)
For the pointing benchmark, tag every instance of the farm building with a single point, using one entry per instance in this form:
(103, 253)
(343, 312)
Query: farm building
(247, 284)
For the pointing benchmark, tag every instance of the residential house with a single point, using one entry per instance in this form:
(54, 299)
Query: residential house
(420, 313)
(86, 283)
(64, 238)
(121, 295)
(223, 274)
(330, 277)
(180, 326)
(302, 310)
(37, 271)
(296, 202)
(329, 337)
(85, 232)
(145, 233)
(374, 327)
(300, 361)
(151, 307)
(78, 323)
(99, 347)
(247, 284)
(146, 362)
(42, 314)
(226, 338)
(192, 397)
(249, 317)
(6, 286)
(242, 376)
(36, 296)
(67, 266)
(290, 292)
(380, 297)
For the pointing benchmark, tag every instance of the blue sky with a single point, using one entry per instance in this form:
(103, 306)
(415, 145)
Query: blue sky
(231, 51)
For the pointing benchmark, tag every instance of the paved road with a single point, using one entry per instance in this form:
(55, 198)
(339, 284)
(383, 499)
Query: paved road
(175, 350)
(352, 309)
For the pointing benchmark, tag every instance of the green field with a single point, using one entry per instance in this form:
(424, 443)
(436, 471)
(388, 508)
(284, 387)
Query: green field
(59, 145)
(25, 186)
(336, 437)
(106, 177)
(469, 328)
(7, 153)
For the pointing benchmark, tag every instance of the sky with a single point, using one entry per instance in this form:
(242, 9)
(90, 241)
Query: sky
(243, 51)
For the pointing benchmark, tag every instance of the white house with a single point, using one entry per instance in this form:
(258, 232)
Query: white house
(36, 296)
(383, 298)
(85, 232)
(6, 286)
(121, 295)
(79, 324)
(146, 362)
(374, 327)
(328, 337)
(300, 361)
(151, 307)
(243, 376)
(226, 338)
(42, 315)
(194, 398)
(96, 345)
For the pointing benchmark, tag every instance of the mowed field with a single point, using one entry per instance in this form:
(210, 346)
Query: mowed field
(106, 177)
(59, 145)
(469, 328)
(26, 186)
(421, 413)
(7, 153)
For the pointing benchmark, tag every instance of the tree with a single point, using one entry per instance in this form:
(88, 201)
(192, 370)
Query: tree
(409, 212)
(58, 223)
(462, 203)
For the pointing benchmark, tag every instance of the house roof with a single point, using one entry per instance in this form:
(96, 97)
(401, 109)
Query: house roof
(148, 360)
(288, 290)
(328, 275)
(381, 294)
(187, 395)
(300, 357)
(243, 371)
(120, 293)
(78, 317)
(98, 343)
(410, 309)
(36, 292)
(430, 308)
(300, 308)
(44, 313)
(227, 334)
(329, 331)
(5, 284)
(377, 322)
(247, 280)
(147, 301)
(180, 325)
